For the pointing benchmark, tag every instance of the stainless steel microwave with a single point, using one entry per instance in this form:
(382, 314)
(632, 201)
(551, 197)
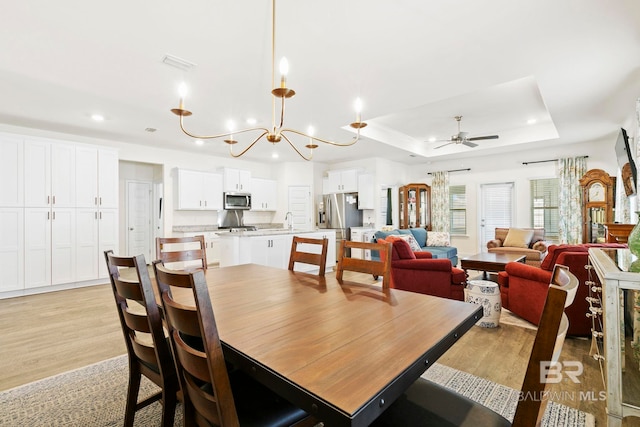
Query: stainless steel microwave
(237, 201)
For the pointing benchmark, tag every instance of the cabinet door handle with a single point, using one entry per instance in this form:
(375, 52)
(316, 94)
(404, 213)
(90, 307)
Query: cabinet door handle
(205, 203)
(54, 215)
(95, 202)
(48, 216)
(54, 201)
(100, 201)
(96, 215)
(48, 199)
(100, 215)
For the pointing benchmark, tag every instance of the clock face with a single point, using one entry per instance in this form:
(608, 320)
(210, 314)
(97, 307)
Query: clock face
(596, 192)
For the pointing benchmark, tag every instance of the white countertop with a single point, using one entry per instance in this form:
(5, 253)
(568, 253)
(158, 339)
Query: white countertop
(266, 232)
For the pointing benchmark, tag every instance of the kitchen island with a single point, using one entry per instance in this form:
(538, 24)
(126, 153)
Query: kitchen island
(271, 247)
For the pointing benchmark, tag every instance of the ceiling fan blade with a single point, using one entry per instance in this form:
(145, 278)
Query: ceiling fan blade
(444, 145)
(479, 138)
(469, 144)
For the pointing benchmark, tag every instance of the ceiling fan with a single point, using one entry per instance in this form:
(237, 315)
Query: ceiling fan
(461, 137)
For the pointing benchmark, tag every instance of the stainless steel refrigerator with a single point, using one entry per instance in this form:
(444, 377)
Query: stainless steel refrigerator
(340, 214)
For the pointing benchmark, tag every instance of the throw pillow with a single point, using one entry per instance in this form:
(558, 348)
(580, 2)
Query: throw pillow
(518, 238)
(421, 235)
(438, 238)
(413, 244)
(401, 248)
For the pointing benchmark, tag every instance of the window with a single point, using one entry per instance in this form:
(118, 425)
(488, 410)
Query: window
(544, 206)
(458, 209)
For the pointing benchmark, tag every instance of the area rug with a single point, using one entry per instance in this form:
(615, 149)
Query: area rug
(508, 318)
(95, 396)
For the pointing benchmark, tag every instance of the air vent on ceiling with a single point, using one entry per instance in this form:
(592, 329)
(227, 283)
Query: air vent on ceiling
(179, 63)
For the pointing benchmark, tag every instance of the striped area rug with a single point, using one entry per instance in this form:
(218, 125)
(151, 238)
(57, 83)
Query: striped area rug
(94, 396)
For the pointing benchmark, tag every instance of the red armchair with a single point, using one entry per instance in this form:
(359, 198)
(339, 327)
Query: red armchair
(523, 288)
(418, 272)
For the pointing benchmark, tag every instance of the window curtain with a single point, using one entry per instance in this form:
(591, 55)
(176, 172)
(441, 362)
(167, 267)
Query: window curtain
(440, 201)
(570, 170)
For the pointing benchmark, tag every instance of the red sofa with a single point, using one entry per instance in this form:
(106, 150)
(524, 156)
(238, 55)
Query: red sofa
(523, 288)
(418, 272)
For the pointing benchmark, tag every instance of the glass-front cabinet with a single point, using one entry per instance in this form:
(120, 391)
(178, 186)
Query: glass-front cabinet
(415, 206)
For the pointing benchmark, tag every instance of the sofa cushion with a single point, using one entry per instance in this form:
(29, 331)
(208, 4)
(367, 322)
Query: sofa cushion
(443, 251)
(518, 238)
(438, 238)
(413, 244)
(421, 236)
(383, 234)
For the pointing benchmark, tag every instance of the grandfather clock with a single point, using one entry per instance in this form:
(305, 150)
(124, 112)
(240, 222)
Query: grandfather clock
(598, 189)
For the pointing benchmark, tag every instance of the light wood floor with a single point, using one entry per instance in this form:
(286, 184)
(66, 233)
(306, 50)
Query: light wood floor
(46, 334)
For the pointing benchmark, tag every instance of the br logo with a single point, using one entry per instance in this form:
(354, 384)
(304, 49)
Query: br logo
(553, 372)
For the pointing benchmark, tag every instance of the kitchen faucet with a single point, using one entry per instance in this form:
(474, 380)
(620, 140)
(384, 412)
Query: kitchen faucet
(289, 218)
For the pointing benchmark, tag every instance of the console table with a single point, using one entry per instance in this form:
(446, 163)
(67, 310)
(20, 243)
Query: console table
(622, 371)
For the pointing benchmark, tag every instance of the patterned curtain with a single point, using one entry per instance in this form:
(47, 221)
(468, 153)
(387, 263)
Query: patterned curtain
(570, 170)
(440, 201)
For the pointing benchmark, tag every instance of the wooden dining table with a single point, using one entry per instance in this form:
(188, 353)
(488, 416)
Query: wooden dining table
(342, 352)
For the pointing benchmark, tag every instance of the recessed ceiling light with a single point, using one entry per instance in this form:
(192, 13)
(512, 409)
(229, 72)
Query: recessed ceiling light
(198, 141)
(274, 155)
(531, 121)
(97, 117)
(432, 139)
(251, 121)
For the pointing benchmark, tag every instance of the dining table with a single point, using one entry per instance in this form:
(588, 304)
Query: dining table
(343, 352)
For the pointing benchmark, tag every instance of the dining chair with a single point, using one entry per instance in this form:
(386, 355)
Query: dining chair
(377, 268)
(148, 350)
(212, 394)
(319, 259)
(183, 250)
(427, 403)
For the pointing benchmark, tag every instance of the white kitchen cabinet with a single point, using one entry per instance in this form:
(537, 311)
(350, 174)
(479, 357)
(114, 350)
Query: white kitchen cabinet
(97, 177)
(108, 237)
(86, 243)
(264, 195)
(37, 247)
(198, 190)
(11, 171)
(366, 193)
(341, 181)
(237, 180)
(49, 171)
(272, 251)
(11, 249)
(108, 172)
(63, 246)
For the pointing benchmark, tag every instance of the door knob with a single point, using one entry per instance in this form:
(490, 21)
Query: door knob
(130, 228)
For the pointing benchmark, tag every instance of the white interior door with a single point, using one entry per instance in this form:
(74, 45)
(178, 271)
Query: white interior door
(139, 224)
(497, 210)
(300, 206)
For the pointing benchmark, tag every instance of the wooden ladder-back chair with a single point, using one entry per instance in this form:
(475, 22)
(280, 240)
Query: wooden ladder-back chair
(381, 268)
(166, 250)
(147, 347)
(319, 259)
(427, 403)
(212, 394)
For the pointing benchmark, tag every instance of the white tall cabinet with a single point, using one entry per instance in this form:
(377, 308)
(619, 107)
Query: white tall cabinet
(58, 213)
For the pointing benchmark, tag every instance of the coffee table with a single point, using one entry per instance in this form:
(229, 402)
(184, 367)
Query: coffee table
(489, 262)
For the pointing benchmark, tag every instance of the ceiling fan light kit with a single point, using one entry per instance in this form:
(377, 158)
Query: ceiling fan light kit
(277, 132)
(462, 137)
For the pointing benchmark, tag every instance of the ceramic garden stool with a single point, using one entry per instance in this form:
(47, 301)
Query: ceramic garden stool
(486, 294)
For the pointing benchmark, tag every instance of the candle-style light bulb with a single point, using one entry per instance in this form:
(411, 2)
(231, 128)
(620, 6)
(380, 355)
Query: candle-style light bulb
(231, 126)
(284, 70)
(182, 91)
(358, 108)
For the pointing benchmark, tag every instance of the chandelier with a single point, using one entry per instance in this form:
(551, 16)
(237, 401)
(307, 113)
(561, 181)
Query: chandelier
(277, 132)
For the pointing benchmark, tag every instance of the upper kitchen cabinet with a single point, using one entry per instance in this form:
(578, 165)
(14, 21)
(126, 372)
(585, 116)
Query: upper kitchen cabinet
(97, 172)
(49, 171)
(237, 181)
(11, 171)
(341, 181)
(199, 191)
(264, 194)
(366, 194)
